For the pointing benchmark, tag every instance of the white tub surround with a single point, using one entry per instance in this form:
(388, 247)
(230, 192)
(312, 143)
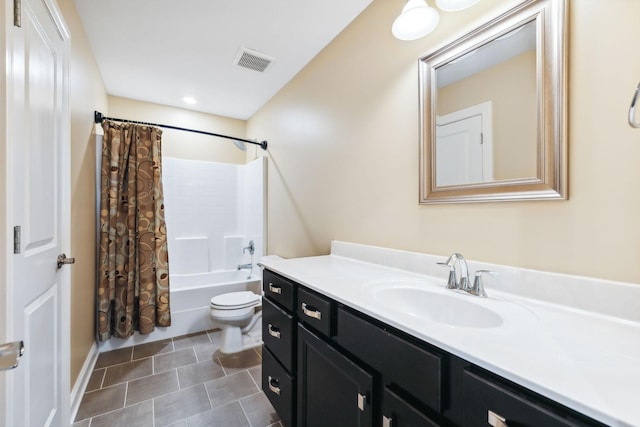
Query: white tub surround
(575, 340)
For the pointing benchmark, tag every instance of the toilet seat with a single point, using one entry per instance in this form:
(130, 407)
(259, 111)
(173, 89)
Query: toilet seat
(235, 300)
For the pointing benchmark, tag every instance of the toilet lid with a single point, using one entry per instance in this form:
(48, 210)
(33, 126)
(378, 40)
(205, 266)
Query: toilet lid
(233, 300)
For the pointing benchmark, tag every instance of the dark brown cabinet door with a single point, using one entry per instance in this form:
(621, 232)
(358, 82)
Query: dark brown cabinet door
(332, 390)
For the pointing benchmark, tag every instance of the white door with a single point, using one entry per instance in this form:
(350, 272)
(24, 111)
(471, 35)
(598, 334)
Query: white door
(38, 202)
(464, 146)
(459, 150)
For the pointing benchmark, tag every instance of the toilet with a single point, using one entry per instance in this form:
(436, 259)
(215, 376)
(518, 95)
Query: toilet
(239, 316)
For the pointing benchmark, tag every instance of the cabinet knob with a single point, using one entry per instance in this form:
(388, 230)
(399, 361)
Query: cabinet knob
(496, 420)
(311, 313)
(274, 388)
(387, 421)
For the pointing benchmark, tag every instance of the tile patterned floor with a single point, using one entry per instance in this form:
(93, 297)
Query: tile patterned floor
(178, 382)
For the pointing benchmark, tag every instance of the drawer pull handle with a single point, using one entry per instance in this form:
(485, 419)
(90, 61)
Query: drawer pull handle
(496, 420)
(311, 313)
(362, 401)
(274, 388)
(275, 289)
(273, 332)
(387, 421)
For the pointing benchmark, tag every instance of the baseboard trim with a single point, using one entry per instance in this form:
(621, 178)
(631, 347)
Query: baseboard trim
(83, 380)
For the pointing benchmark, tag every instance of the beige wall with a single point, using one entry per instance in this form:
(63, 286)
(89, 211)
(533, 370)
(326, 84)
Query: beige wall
(87, 94)
(186, 145)
(511, 88)
(344, 152)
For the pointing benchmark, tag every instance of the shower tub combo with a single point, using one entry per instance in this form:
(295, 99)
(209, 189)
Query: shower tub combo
(213, 211)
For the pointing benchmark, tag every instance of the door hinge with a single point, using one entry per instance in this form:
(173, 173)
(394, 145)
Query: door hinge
(17, 13)
(16, 239)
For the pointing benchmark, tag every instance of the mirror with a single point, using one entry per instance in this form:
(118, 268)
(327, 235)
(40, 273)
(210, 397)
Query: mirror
(492, 110)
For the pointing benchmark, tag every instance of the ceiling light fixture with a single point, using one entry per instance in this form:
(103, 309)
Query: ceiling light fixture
(416, 20)
(454, 5)
(189, 100)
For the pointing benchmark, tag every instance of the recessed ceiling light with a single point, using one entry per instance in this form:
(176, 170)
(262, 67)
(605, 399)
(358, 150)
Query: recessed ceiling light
(189, 100)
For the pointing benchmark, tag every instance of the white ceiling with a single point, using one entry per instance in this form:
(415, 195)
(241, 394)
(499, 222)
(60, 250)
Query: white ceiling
(162, 50)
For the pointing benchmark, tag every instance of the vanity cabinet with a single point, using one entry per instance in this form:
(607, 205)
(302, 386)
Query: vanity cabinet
(340, 367)
(279, 338)
(332, 389)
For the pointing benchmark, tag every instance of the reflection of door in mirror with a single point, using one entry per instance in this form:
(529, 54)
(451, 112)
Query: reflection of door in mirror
(464, 145)
(503, 72)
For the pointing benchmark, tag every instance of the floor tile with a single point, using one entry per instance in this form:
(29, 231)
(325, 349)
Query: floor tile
(233, 387)
(114, 357)
(214, 335)
(229, 415)
(140, 415)
(151, 349)
(175, 359)
(128, 371)
(180, 404)
(207, 351)
(101, 401)
(191, 340)
(259, 410)
(233, 363)
(83, 423)
(181, 423)
(198, 373)
(152, 386)
(95, 380)
(256, 374)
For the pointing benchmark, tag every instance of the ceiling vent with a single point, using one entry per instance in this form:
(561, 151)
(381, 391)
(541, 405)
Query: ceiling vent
(252, 60)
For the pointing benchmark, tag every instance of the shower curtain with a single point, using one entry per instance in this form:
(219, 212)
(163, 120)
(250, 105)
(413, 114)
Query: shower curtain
(133, 281)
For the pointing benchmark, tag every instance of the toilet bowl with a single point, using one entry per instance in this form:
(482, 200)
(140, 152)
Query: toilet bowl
(238, 315)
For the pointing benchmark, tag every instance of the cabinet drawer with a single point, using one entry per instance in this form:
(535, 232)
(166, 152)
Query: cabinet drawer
(278, 330)
(412, 368)
(484, 396)
(278, 387)
(396, 412)
(314, 310)
(279, 289)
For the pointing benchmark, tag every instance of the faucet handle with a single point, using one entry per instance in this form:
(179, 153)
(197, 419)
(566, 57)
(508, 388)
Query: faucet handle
(478, 286)
(452, 283)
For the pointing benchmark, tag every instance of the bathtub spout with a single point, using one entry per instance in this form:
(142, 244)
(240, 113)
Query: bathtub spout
(246, 267)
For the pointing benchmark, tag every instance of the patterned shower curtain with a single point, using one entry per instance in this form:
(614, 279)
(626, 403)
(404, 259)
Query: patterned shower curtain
(133, 282)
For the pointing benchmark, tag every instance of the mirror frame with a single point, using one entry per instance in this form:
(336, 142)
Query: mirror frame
(551, 182)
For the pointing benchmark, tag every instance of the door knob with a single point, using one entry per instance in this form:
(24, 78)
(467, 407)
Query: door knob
(62, 260)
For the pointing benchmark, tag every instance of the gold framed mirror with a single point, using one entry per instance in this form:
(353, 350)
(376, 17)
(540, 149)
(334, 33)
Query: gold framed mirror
(493, 110)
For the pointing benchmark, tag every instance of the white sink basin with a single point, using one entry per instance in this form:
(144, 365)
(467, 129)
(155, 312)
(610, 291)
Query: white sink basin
(432, 302)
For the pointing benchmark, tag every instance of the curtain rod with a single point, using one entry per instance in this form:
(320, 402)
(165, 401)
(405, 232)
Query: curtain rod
(99, 118)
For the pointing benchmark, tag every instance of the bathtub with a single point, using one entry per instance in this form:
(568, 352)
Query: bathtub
(190, 295)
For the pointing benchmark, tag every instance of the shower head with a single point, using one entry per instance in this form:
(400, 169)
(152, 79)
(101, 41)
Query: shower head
(241, 145)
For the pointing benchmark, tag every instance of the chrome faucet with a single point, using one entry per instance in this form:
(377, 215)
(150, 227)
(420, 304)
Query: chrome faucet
(478, 287)
(245, 266)
(454, 282)
(251, 248)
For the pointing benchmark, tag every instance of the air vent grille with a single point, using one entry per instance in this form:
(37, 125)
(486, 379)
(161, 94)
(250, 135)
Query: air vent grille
(252, 60)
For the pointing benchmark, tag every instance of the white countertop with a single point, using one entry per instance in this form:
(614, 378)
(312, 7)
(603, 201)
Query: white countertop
(588, 362)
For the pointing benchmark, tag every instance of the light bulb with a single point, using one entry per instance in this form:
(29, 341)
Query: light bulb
(416, 20)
